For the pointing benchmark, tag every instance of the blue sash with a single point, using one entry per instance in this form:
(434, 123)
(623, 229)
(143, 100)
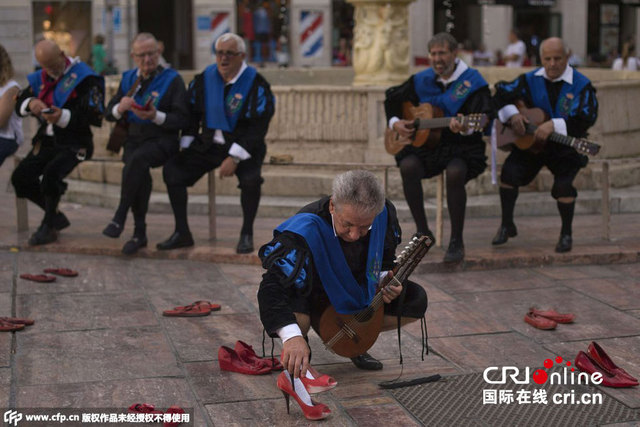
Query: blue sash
(346, 295)
(568, 94)
(69, 81)
(223, 113)
(451, 100)
(155, 91)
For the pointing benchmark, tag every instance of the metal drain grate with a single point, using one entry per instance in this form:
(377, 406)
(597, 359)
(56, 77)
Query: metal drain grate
(458, 401)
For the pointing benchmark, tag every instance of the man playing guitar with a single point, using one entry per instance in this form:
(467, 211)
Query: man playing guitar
(455, 89)
(360, 227)
(566, 96)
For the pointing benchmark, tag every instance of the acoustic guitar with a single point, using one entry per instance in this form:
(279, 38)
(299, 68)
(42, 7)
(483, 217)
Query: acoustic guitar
(427, 122)
(351, 335)
(505, 135)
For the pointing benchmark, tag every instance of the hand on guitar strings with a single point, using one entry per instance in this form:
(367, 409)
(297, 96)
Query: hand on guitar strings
(458, 126)
(518, 122)
(391, 292)
(404, 128)
(295, 356)
(543, 131)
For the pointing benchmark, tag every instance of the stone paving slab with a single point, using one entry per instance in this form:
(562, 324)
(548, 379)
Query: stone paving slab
(95, 355)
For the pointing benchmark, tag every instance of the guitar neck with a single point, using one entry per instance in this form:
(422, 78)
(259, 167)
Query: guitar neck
(554, 137)
(440, 122)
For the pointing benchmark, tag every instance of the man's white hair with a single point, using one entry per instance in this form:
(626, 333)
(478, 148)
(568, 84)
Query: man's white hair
(231, 36)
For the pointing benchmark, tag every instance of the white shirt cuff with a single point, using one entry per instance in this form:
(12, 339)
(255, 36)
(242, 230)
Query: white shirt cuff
(159, 118)
(115, 113)
(63, 121)
(506, 112)
(186, 141)
(287, 332)
(237, 151)
(392, 121)
(24, 106)
(559, 126)
(218, 137)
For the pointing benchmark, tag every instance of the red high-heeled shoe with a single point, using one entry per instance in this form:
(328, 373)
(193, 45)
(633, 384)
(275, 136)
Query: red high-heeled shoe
(585, 363)
(317, 411)
(604, 360)
(229, 360)
(247, 354)
(319, 383)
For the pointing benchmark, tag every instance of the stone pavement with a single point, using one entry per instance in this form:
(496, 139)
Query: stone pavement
(100, 340)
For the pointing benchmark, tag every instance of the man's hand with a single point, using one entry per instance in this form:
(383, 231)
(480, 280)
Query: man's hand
(544, 131)
(54, 116)
(227, 168)
(149, 114)
(36, 106)
(456, 126)
(391, 292)
(518, 123)
(125, 104)
(295, 356)
(404, 128)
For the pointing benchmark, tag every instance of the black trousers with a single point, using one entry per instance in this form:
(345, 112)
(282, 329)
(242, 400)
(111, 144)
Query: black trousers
(139, 157)
(39, 177)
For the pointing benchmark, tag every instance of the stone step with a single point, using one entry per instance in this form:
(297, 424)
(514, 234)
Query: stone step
(622, 200)
(315, 181)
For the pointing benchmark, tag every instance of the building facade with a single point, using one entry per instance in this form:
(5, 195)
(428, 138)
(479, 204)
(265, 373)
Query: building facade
(308, 32)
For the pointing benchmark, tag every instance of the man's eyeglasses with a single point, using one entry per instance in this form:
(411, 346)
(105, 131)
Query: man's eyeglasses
(227, 53)
(143, 54)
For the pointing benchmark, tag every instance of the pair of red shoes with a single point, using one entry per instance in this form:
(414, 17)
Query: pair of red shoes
(547, 319)
(596, 360)
(12, 324)
(147, 408)
(44, 278)
(244, 360)
(197, 309)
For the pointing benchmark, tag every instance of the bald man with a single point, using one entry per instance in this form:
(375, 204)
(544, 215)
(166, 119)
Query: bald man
(66, 96)
(152, 99)
(569, 99)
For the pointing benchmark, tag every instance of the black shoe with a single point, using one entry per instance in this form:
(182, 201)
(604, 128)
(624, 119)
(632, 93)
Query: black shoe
(43, 235)
(503, 234)
(113, 229)
(60, 221)
(245, 244)
(428, 233)
(455, 252)
(564, 244)
(132, 246)
(367, 362)
(176, 240)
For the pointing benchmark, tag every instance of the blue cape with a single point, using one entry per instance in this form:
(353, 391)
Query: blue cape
(69, 81)
(155, 91)
(223, 113)
(451, 100)
(567, 99)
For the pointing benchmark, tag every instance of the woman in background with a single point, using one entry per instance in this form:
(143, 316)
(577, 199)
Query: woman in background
(627, 61)
(10, 124)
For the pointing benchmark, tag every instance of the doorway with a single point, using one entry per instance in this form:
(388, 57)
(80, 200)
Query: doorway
(171, 24)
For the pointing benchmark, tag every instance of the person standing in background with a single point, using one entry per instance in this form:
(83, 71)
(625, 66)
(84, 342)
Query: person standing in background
(516, 51)
(10, 124)
(98, 54)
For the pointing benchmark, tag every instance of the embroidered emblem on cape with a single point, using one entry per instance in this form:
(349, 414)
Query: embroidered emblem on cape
(461, 90)
(374, 272)
(69, 81)
(564, 106)
(153, 96)
(234, 103)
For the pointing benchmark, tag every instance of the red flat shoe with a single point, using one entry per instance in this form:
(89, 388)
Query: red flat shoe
(248, 355)
(229, 360)
(585, 363)
(144, 408)
(173, 410)
(315, 411)
(539, 321)
(61, 272)
(10, 327)
(319, 383)
(38, 278)
(197, 309)
(554, 315)
(26, 322)
(598, 354)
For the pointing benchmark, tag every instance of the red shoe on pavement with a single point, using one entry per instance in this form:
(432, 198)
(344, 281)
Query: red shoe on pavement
(598, 354)
(229, 360)
(248, 355)
(319, 383)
